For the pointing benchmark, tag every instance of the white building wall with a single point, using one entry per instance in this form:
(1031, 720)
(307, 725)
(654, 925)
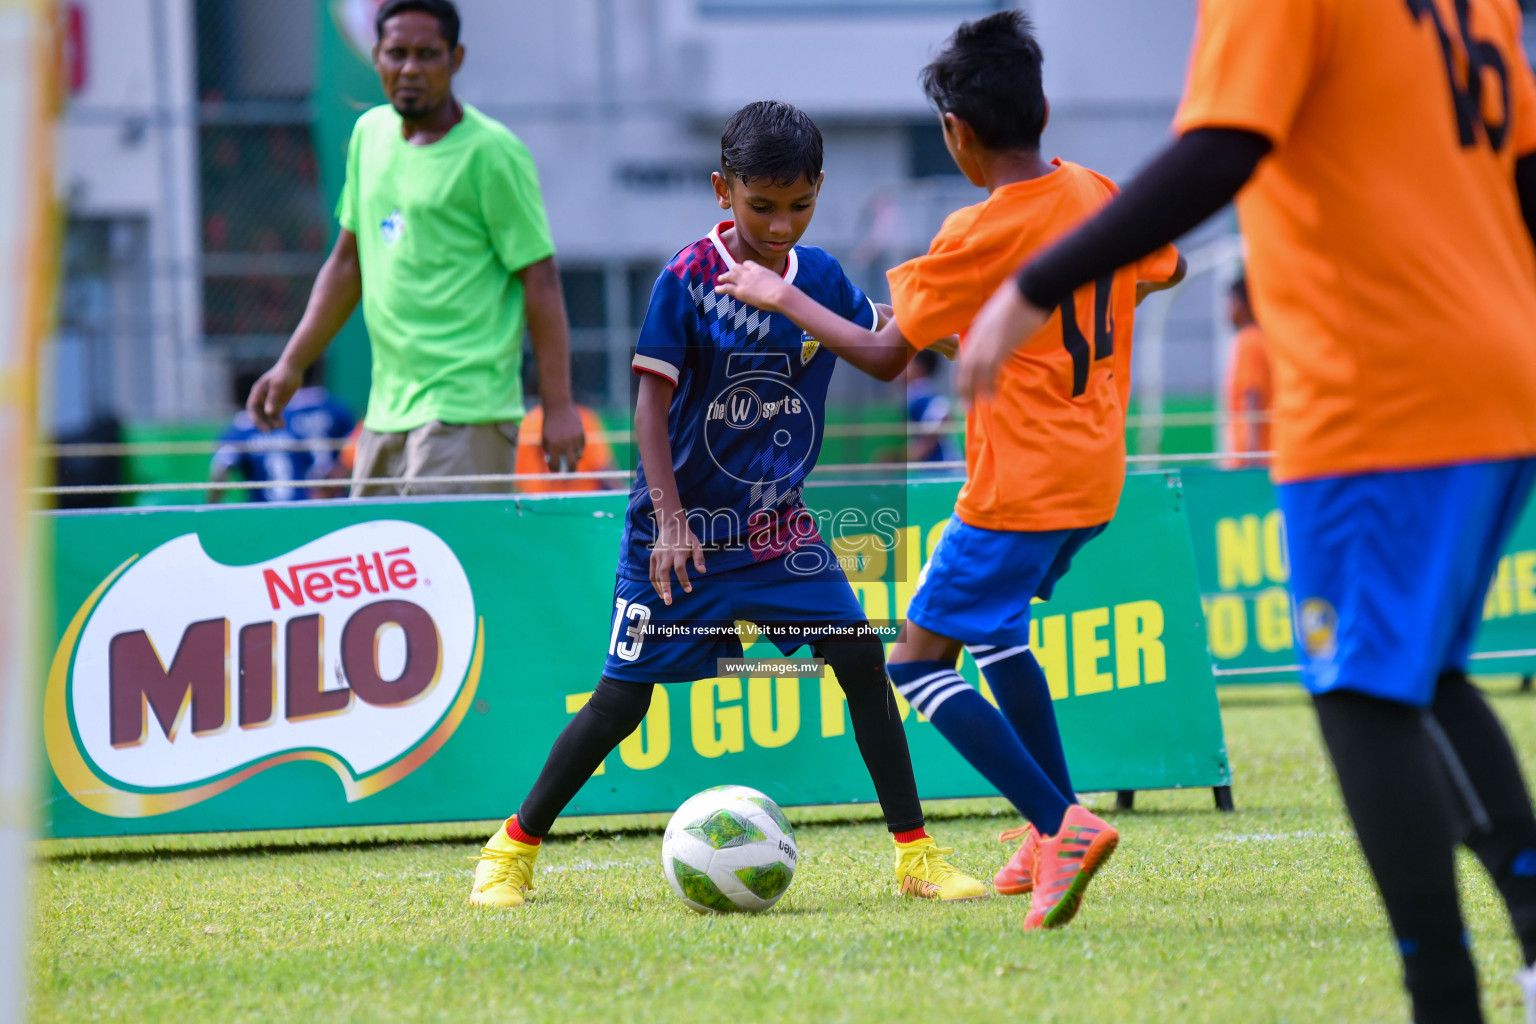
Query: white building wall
(129, 152)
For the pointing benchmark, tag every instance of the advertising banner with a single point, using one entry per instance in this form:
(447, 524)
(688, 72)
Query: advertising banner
(403, 661)
(1240, 553)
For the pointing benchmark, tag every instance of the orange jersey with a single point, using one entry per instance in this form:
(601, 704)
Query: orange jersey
(596, 456)
(1388, 259)
(1047, 451)
(1249, 381)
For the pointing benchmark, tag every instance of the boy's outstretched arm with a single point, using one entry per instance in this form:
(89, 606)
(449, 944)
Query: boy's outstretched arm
(1145, 288)
(675, 543)
(1192, 179)
(882, 354)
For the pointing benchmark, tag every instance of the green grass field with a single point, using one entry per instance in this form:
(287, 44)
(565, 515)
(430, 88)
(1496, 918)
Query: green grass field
(1267, 914)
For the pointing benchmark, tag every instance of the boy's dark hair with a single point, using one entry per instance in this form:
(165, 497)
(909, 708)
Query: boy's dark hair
(444, 11)
(988, 75)
(927, 360)
(1240, 288)
(772, 140)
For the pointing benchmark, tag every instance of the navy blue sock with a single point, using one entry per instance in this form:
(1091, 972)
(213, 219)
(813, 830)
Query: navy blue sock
(1024, 697)
(983, 737)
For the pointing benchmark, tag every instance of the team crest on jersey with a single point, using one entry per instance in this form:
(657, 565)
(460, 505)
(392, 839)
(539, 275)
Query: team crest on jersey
(808, 348)
(1318, 624)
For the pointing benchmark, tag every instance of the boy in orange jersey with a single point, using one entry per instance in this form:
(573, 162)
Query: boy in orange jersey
(1391, 147)
(1250, 385)
(1045, 459)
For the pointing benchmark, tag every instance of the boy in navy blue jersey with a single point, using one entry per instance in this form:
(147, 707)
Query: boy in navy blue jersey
(729, 423)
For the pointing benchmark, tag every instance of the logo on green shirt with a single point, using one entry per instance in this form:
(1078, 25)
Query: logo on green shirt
(393, 227)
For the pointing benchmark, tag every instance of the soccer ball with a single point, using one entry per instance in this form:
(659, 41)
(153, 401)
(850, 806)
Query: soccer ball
(729, 848)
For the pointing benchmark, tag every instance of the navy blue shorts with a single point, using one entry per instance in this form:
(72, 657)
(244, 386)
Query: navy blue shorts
(1389, 571)
(977, 586)
(798, 599)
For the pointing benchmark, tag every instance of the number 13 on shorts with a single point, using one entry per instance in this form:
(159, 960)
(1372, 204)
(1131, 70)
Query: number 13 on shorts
(628, 634)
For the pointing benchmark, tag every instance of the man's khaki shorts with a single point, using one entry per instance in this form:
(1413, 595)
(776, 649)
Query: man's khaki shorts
(434, 450)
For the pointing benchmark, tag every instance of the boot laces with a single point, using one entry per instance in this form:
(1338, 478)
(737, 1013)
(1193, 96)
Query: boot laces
(935, 867)
(1012, 834)
(507, 866)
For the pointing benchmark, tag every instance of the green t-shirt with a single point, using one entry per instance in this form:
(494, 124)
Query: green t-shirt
(441, 232)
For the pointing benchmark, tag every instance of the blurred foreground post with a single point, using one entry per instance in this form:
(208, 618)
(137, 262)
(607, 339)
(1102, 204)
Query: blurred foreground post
(28, 109)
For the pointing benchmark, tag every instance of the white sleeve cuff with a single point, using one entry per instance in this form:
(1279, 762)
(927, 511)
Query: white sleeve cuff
(660, 367)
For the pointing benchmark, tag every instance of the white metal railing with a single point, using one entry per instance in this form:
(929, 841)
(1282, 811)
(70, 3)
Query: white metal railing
(856, 468)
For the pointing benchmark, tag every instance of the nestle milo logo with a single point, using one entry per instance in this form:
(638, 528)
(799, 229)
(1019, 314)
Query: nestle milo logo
(182, 676)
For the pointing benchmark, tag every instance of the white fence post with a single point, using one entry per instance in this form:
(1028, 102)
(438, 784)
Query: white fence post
(28, 110)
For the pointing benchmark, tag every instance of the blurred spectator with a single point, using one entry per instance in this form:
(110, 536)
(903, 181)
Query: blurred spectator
(445, 242)
(295, 457)
(1250, 386)
(928, 410)
(82, 470)
(594, 459)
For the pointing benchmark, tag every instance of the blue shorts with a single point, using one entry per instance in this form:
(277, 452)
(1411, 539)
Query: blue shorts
(797, 598)
(977, 585)
(1389, 571)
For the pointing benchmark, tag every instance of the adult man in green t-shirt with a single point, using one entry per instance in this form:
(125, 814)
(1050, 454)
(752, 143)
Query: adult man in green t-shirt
(444, 239)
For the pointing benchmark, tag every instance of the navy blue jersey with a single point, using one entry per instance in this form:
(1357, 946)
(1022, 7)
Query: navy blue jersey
(291, 455)
(749, 412)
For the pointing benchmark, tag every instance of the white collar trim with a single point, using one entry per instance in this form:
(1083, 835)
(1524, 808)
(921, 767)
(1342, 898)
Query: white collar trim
(791, 268)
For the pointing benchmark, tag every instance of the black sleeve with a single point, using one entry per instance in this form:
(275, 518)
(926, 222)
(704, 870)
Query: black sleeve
(1189, 181)
(1525, 184)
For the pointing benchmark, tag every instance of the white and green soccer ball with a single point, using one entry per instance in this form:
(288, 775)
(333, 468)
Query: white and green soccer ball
(729, 849)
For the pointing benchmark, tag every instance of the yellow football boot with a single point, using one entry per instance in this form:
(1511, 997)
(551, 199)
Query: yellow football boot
(923, 873)
(504, 872)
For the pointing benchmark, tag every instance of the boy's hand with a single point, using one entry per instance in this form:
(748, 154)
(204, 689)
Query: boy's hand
(675, 547)
(1002, 325)
(755, 285)
(948, 347)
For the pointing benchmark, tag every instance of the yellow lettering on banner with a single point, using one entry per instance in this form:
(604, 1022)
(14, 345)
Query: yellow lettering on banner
(935, 533)
(833, 721)
(1238, 553)
(909, 564)
(902, 707)
(716, 730)
(985, 688)
(748, 632)
(1139, 652)
(1087, 650)
(1501, 592)
(651, 741)
(1226, 625)
(1277, 562)
(1525, 582)
(1272, 620)
(773, 711)
(874, 598)
(574, 702)
(862, 556)
(1048, 640)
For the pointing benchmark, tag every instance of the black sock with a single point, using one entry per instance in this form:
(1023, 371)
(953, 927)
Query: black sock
(860, 668)
(1505, 839)
(614, 711)
(1407, 816)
